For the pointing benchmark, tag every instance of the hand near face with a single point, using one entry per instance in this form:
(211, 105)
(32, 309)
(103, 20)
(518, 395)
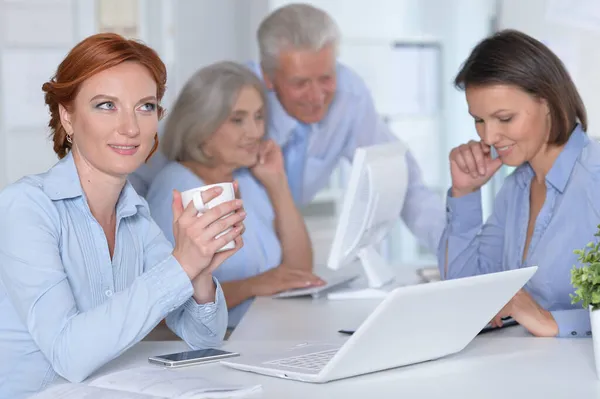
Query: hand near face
(525, 310)
(471, 166)
(269, 169)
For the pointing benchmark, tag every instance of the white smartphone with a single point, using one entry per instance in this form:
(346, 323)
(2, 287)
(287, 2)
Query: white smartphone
(190, 358)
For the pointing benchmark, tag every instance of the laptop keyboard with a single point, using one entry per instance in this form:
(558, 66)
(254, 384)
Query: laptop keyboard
(310, 361)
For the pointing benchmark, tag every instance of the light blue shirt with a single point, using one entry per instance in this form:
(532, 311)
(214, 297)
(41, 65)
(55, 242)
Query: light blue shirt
(567, 221)
(351, 122)
(261, 250)
(66, 307)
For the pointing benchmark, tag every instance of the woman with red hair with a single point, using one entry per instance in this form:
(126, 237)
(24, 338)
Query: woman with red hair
(85, 273)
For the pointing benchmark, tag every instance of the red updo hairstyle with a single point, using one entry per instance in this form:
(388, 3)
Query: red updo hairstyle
(91, 56)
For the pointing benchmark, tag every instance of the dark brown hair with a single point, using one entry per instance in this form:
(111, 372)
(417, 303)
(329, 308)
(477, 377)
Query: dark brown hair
(91, 56)
(511, 57)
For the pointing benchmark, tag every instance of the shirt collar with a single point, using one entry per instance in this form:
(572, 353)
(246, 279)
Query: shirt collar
(561, 170)
(280, 122)
(62, 182)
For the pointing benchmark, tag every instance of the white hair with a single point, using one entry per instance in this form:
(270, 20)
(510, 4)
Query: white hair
(204, 104)
(295, 26)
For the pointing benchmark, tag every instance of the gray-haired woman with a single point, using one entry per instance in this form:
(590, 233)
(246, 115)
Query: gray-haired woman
(215, 133)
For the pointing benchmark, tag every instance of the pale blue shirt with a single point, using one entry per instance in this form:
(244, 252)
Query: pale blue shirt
(261, 250)
(66, 307)
(567, 221)
(351, 121)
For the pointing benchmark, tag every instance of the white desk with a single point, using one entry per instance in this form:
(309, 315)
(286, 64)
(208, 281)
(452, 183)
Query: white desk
(494, 365)
(301, 319)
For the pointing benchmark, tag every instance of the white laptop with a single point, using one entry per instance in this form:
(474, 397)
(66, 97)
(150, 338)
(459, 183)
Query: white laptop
(412, 324)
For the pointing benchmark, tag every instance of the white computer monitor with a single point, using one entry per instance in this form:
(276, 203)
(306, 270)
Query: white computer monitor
(371, 207)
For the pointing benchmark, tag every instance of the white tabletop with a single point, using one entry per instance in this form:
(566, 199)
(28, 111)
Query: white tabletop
(307, 318)
(494, 365)
(301, 318)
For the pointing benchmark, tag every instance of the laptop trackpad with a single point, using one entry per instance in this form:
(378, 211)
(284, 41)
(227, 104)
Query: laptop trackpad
(303, 358)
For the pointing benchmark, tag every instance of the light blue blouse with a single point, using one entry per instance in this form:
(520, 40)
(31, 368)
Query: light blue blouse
(66, 307)
(568, 220)
(261, 250)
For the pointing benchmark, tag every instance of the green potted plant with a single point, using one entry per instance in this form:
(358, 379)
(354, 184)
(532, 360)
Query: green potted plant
(586, 281)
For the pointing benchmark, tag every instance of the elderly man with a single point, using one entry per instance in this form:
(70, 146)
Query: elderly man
(319, 112)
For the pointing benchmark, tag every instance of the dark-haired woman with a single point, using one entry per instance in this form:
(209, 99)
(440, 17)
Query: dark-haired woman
(525, 107)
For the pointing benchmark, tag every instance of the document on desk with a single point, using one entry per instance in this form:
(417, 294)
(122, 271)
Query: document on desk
(149, 383)
(82, 391)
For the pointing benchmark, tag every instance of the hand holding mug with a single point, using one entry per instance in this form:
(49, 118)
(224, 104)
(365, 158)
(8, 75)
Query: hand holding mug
(195, 196)
(200, 236)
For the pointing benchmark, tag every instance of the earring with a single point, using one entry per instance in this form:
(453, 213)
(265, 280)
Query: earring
(154, 147)
(69, 139)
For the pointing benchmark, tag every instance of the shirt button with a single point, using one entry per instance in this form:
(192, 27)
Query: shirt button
(573, 333)
(108, 293)
(588, 333)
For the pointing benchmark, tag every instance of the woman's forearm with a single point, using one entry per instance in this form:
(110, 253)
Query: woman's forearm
(237, 292)
(290, 227)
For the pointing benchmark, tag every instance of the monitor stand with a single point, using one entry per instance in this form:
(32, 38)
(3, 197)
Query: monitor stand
(379, 275)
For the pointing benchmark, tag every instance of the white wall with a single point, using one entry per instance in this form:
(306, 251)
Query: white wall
(248, 16)
(207, 31)
(460, 24)
(3, 163)
(381, 19)
(204, 32)
(35, 36)
(576, 43)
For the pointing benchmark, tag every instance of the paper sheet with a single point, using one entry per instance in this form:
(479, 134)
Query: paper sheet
(82, 391)
(177, 383)
(149, 383)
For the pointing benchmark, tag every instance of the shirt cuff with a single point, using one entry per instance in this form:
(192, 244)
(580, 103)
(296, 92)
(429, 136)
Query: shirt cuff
(573, 323)
(206, 312)
(169, 284)
(464, 213)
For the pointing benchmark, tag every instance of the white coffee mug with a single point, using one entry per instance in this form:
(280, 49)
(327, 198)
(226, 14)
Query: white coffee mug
(195, 195)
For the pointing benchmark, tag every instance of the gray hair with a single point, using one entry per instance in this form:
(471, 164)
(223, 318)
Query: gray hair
(204, 104)
(295, 26)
